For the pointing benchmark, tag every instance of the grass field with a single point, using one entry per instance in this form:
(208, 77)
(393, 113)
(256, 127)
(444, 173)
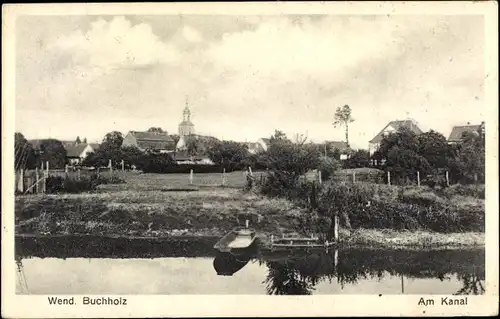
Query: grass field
(167, 205)
(162, 182)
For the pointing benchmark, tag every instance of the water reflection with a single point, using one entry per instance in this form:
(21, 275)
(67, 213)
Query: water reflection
(298, 273)
(226, 264)
(195, 264)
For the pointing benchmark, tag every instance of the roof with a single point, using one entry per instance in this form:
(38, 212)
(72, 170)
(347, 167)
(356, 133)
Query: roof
(95, 146)
(186, 123)
(266, 140)
(153, 140)
(458, 131)
(410, 124)
(75, 150)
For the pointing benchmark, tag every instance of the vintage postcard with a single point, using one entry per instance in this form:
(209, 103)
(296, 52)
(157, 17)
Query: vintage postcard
(250, 159)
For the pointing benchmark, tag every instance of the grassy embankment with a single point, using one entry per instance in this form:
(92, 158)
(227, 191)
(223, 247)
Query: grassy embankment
(166, 205)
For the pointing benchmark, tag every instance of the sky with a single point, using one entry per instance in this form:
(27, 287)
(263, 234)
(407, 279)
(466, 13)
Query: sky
(245, 76)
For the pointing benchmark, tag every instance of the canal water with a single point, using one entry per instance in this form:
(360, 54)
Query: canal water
(93, 265)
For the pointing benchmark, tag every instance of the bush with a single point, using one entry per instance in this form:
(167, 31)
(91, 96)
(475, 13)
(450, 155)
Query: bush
(328, 166)
(105, 180)
(477, 191)
(383, 206)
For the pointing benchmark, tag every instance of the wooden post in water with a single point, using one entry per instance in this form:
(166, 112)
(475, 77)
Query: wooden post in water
(402, 285)
(37, 187)
(418, 178)
(354, 177)
(336, 258)
(191, 177)
(388, 177)
(447, 179)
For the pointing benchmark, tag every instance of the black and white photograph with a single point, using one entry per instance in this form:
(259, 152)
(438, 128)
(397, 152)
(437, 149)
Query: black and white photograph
(250, 153)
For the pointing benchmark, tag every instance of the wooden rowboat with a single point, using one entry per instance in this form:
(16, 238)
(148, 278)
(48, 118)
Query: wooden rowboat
(238, 241)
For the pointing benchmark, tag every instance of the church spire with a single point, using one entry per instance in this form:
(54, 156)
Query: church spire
(187, 112)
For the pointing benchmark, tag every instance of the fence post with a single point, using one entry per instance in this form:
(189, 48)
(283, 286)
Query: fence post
(191, 177)
(123, 165)
(37, 187)
(110, 169)
(388, 177)
(21, 180)
(45, 176)
(354, 177)
(66, 170)
(418, 178)
(447, 179)
(475, 178)
(224, 176)
(47, 168)
(250, 170)
(78, 174)
(319, 177)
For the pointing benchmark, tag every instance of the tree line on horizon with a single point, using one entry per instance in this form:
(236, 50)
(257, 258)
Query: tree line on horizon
(402, 153)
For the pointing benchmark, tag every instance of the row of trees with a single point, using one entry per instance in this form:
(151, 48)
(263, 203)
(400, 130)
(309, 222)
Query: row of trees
(48, 150)
(404, 154)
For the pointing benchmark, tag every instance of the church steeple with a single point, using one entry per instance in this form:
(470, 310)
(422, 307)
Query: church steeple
(187, 112)
(186, 127)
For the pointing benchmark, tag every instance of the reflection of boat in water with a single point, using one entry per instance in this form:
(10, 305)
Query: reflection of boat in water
(239, 241)
(226, 264)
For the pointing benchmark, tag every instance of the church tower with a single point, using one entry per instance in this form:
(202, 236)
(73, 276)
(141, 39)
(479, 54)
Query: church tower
(186, 127)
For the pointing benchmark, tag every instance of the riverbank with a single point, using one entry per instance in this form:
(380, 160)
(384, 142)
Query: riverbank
(156, 206)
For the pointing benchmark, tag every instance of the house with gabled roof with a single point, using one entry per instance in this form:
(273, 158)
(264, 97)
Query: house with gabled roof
(149, 141)
(392, 127)
(457, 133)
(342, 147)
(76, 152)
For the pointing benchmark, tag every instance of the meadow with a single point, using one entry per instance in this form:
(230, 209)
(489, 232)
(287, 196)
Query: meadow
(168, 205)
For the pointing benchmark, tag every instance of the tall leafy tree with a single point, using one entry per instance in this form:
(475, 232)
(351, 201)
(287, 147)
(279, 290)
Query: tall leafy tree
(229, 154)
(112, 141)
(435, 149)
(78, 141)
(54, 152)
(468, 160)
(358, 159)
(343, 116)
(24, 154)
(192, 145)
(400, 151)
(109, 149)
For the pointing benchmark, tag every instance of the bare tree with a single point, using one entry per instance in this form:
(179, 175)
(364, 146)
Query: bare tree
(343, 117)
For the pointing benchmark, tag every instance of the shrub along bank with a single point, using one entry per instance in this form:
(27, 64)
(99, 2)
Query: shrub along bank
(363, 205)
